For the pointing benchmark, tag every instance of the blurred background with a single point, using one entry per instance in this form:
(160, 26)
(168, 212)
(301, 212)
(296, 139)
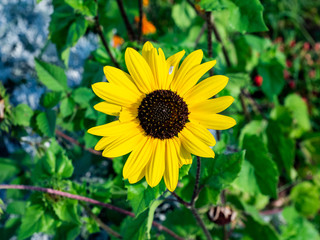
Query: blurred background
(53, 50)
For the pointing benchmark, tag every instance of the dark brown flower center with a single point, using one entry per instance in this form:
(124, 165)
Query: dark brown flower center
(163, 114)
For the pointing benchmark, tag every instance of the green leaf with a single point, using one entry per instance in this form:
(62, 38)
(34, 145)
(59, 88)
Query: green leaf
(305, 197)
(66, 210)
(218, 173)
(85, 7)
(82, 95)
(152, 209)
(22, 115)
(247, 181)
(52, 76)
(66, 27)
(255, 127)
(183, 14)
(281, 147)
(135, 228)
(46, 121)
(93, 72)
(67, 231)
(213, 5)
(311, 149)
(64, 167)
(271, 71)
(141, 195)
(35, 220)
(76, 30)
(255, 229)
(8, 169)
(300, 114)
(67, 107)
(16, 207)
(1, 205)
(50, 99)
(236, 82)
(265, 170)
(182, 222)
(246, 16)
(297, 227)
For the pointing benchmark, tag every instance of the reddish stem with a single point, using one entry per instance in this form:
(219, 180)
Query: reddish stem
(86, 199)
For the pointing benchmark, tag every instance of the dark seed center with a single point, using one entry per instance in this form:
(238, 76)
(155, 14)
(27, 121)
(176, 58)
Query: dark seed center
(163, 114)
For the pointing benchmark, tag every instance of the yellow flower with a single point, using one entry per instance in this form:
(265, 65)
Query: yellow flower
(164, 115)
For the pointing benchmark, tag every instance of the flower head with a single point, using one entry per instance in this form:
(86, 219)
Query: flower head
(164, 115)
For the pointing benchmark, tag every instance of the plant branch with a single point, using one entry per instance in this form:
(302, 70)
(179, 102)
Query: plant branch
(203, 28)
(196, 184)
(104, 226)
(209, 37)
(131, 34)
(215, 31)
(75, 142)
(103, 39)
(88, 200)
(244, 107)
(180, 200)
(140, 20)
(218, 37)
(201, 223)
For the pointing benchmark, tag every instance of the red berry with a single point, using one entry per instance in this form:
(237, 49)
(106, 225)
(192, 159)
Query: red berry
(317, 47)
(258, 80)
(292, 84)
(289, 63)
(292, 43)
(306, 46)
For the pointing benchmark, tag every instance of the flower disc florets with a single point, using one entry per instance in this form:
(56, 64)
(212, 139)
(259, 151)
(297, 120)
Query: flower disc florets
(163, 114)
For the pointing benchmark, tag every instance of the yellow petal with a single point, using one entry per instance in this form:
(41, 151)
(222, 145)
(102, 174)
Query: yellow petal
(123, 144)
(139, 158)
(156, 166)
(194, 145)
(103, 142)
(108, 108)
(113, 128)
(171, 174)
(206, 89)
(139, 70)
(213, 121)
(137, 177)
(146, 51)
(184, 155)
(115, 94)
(129, 114)
(192, 60)
(193, 76)
(172, 65)
(214, 105)
(158, 66)
(201, 133)
(119, 77)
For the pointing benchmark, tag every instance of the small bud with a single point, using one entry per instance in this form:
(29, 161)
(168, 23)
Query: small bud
(221, 215)
(258, 80)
